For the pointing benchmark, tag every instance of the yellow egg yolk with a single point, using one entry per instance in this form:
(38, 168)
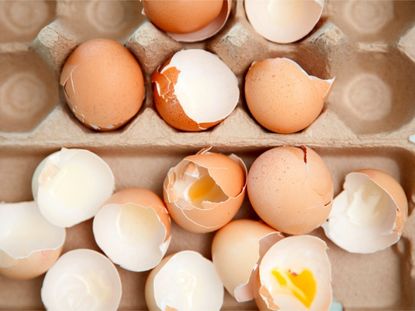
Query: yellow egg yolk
(205, 189)
(302, 285)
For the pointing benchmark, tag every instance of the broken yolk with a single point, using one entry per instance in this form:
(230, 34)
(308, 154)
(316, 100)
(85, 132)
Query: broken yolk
(303, 285)
(205, 189)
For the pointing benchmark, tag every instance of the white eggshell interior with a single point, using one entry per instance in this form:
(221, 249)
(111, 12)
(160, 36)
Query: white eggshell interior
(206, 88)
(131, 235)
(363, 216)
(283, 21)
(82, 279)
(71, 185)
(188, 282)
(23, 231)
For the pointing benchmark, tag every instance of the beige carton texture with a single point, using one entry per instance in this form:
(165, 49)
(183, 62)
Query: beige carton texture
(369, 46)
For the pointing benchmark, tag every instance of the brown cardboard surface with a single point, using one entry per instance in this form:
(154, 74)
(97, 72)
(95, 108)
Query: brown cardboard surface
(366, 123)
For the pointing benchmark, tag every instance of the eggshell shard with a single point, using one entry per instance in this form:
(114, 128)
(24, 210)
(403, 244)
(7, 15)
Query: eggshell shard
(103, 84)
(369, 214)
(282, 97)
(236, 250)
(205, 191)
(133, 229)
(184, 281)
(82, 279)
(70, 186)
(283, 21)
(29, 245)
(276, 179)
(295, 274)
(194, 90)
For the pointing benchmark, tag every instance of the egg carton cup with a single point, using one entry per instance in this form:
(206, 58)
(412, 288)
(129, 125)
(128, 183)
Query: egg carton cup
(369, 46)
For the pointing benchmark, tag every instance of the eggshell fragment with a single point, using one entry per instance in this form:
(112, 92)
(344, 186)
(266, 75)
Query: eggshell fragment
(205, 191)
(282, 97)
(291, 189)
(295, 274)
(369, 214)
(283, 21)
(194, 90)
(133, 229)
(82, 279)
(236, 252)
(70, 185)
(103, 84)
(29, 245)
(184, 281)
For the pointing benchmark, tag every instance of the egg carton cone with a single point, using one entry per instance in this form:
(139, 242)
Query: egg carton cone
(367, 121)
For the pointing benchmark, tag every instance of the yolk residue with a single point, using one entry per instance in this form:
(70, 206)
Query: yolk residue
(205, 189)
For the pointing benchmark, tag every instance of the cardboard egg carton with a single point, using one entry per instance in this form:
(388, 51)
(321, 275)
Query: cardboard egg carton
(369, 46)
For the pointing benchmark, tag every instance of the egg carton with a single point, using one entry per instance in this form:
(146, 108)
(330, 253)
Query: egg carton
(369, 117)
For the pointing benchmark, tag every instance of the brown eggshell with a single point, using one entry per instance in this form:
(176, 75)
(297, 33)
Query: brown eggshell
(291, 189)
(103, 84)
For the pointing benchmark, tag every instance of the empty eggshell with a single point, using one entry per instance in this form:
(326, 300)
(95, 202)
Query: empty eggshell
(283, 21)
(82, 279)
(70, 186)
(204, 191)
(282, 97)
(295, 274)
(29, 245)
(236, 250)
(194, 90)
(133, 229)
(103, 84)
(369, 214)
(291, 189)
(184, 281)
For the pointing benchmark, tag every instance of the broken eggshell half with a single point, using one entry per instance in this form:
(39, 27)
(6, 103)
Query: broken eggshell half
(82, 279)
(369, 214)
(294, 274)
(184, 281)
(205, 191)
(133, 229)
(194, 90)
(70, 186)
(29, 245)
(283, 21)
(236, 251)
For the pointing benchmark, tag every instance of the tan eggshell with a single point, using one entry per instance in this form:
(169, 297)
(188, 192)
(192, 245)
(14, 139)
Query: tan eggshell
(236, 251)
(282, 97)
(103, 84)
(291, 189)
(229, 173)
(182, 16)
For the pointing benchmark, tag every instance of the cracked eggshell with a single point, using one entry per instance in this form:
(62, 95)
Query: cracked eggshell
(294, 274)
(103, 84)
(194, 90)
(291, 189)
(70, 186)
(184, 281)
(283, 21)
(133, 229)
(369, 214)
(220, 183)
(236, 250)
(282, 97)
(29, 245)
(82, 279)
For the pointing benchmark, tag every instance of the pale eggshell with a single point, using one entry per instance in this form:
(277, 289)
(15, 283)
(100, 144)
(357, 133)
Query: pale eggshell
(236, 250)
(103, 84)
(291, 189)
(283, 21)
(29, 245)
(229, 176)
(369, 214)
(194, 90)
(282, 97)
